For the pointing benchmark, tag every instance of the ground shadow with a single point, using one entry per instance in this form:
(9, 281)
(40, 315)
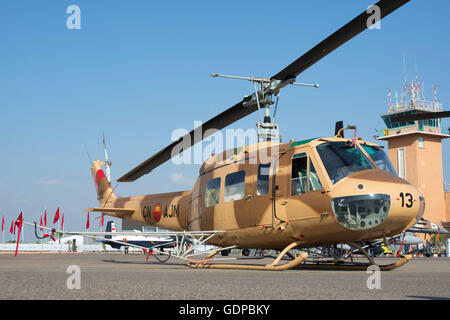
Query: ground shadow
(429, 298)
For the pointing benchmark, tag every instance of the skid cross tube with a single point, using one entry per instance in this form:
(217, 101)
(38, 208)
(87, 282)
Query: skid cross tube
(269, 267)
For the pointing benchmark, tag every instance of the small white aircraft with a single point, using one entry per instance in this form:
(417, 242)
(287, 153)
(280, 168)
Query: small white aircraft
(147, 241)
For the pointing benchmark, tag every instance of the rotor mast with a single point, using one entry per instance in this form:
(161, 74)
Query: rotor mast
(263, 99)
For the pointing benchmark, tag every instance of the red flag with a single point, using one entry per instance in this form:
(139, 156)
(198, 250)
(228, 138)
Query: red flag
(102, 221)
(56, 218)
(62, 222)
(87, 222)
(41, 223)
(19, 226)
(12, 227)
(3, 223)
(45, 218)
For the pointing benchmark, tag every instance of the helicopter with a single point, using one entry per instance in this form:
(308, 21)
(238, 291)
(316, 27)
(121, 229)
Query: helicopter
(273, 195)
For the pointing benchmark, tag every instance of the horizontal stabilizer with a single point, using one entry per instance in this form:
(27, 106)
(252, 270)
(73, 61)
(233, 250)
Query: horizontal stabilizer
(115, 212)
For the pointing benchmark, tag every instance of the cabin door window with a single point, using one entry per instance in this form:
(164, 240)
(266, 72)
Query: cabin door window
(299, 173)
(263, 179)
(212, 194)
(234, 186)
(304, 175)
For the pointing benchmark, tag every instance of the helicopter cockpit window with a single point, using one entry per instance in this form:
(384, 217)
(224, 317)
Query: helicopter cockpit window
(380, 158)
(212, 194)
(300, 183)
(234, 186)
(263, 179)
(342, 159)
(299, 173)
(314, 181)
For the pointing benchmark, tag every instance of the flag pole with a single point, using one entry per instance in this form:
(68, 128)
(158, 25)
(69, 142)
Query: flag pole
(23, 233)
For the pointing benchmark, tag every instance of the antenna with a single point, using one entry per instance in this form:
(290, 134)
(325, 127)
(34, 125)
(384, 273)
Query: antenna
(435, 96)
(390, 99)
(416, 70)
(413, 92)
(107, 163)
(404, 80)
(87, 152)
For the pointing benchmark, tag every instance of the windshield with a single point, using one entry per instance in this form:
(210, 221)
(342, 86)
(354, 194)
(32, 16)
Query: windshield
(379, 157)
(342, 159)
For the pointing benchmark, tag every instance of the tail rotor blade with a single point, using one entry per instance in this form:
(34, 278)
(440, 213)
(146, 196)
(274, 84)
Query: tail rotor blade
(107, 163)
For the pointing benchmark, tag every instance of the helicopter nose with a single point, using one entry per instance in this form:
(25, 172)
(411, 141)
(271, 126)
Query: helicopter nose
(380, 202)
(390, 211)
(406, 209)
(362, 211)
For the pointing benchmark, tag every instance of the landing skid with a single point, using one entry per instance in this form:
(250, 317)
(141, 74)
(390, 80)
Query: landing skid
(339, 265)
(297, 260)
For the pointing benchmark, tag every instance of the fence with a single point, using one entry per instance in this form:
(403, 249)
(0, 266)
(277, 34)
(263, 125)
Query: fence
(51, 247)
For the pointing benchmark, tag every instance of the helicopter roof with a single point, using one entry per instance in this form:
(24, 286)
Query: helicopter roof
(245, 153)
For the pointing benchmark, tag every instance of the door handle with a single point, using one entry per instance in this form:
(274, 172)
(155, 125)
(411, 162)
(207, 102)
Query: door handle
(248, 197)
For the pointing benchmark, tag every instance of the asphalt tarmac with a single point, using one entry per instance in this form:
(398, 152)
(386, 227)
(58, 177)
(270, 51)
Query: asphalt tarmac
(119, 276)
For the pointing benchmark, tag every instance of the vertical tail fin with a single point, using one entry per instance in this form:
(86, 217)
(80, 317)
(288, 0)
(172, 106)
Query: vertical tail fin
(105, 194)
(110, 227)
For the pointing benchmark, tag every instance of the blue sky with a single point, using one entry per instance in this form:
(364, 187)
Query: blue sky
(137, 70)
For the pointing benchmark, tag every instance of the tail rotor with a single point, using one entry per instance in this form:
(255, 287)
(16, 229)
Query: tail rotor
(107, 162)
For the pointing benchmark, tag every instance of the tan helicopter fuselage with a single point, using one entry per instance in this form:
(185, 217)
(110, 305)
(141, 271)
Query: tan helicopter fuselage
(269, 195)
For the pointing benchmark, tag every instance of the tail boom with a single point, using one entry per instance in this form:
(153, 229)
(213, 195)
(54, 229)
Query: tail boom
(105, 194)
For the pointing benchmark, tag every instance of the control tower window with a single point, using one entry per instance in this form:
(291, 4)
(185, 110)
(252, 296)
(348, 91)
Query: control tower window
(401, 163)
(420, 141)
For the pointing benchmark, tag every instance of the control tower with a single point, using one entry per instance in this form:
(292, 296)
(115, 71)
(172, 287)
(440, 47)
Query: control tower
(415, 149)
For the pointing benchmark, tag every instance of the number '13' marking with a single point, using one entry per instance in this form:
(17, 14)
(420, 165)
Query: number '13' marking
(408, 197)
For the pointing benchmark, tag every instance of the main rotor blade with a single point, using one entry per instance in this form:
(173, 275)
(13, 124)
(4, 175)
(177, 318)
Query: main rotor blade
(344, 34)
(219, 122)
(239, 111)
(421, 116)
